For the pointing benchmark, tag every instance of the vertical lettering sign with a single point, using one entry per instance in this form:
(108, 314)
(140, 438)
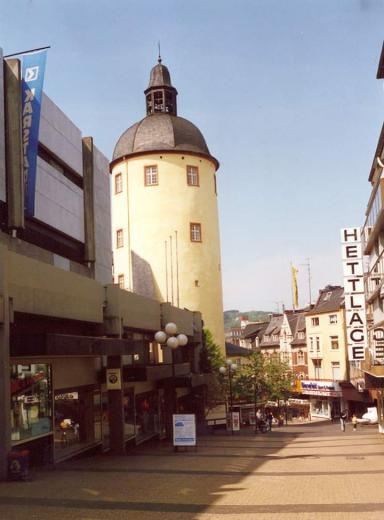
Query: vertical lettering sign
(33, 69)
(356, 323)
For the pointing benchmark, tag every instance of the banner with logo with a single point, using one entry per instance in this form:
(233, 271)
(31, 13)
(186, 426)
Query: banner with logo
(33, 69)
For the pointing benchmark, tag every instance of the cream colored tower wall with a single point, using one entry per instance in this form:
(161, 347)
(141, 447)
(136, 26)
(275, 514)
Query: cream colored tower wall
(150, 215)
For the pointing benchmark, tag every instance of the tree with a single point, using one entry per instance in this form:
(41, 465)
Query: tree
(279, 379)
(250, 382)
(211, 359)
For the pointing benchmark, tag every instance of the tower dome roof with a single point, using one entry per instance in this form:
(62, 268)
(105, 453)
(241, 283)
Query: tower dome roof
(160, 76)
(161, 132)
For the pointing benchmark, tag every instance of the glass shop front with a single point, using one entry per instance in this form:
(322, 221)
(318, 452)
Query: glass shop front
(31, 402)
(78, 420)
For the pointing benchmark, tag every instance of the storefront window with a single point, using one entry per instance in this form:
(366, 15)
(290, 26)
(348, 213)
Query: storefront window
(129, 412)
(31, 401)
(147, 415)
(320, 407)
(77, 419)
(105, 421)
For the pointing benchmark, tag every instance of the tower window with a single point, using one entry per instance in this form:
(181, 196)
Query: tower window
(192, 176)
(119, 238)
(158, 101)
(118, 183)
(120, 281)
(195, 232)
(151, 177)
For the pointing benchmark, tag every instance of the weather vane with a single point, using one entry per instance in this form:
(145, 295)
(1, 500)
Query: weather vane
(159, 58)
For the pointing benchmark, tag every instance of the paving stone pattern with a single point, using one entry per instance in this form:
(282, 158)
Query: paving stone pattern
(311, 471)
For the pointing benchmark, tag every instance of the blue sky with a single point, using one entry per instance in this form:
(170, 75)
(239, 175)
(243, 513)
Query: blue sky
(283, 91)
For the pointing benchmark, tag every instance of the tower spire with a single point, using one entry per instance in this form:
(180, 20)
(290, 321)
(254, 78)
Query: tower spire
(160, 95)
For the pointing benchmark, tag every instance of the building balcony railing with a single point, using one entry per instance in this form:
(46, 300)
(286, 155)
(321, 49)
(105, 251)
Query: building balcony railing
(316, 354)
(375, 217)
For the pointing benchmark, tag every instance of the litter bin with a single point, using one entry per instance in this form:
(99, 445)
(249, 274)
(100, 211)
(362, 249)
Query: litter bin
(18, 465)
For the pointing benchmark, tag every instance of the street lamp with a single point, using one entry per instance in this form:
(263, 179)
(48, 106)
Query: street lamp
(171, 339)
(255, 400)
(229, 369)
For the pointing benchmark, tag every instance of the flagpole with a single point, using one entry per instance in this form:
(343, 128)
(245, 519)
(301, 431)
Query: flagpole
(27, 52)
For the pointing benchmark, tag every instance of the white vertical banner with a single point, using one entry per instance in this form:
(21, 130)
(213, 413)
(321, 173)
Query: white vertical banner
(355, 308)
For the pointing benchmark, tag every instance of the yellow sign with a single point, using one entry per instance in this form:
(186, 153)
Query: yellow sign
(113, 379)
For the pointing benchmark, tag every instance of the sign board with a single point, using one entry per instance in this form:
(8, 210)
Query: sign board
(323, 388)
(33, 69)
(184, 429)
(236, 421)
(355, 311)
(113, 377)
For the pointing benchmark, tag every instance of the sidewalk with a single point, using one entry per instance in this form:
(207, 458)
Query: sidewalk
(306, 471)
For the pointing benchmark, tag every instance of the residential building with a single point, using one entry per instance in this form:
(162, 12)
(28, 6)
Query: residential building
(253, 334)
(298, 344)
(164, 209)
(270, 343)
(327, 353)
(369, 371)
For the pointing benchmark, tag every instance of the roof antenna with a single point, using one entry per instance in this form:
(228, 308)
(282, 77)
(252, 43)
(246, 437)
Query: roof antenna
(159, 58)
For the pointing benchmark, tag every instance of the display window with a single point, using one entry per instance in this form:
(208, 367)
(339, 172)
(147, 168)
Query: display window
(78, 419)
(31, 401)
(320, 407)
(147, 415)
(129, 413)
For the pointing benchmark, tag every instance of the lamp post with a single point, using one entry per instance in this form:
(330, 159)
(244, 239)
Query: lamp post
(255, 400)
(229, 369)
(170, 338)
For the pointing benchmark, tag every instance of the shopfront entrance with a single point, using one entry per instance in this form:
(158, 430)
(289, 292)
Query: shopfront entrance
(78, 420)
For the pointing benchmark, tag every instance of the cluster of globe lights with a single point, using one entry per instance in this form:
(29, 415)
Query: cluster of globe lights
(231, 367)
(170, 337)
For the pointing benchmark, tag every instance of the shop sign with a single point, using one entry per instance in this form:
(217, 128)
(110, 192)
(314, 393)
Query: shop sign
(355, 311)
(378, 342)
(184, 429)
(113, 379)
(68, 396)
(326, 388)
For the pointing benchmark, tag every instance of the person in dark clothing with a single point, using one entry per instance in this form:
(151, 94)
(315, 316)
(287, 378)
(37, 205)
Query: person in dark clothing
(343, 418)
(270, 420)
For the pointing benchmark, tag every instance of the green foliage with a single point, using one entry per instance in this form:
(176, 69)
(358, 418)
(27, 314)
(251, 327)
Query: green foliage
(232, 317)
(269, 379)
(211, 359)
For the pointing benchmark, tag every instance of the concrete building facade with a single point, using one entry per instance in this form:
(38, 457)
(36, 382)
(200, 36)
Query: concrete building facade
(65, 328)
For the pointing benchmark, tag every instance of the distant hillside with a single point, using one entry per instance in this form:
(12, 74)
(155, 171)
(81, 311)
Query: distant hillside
(232, 317)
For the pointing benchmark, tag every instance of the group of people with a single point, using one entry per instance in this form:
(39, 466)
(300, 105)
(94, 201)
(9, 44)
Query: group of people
(344, 418)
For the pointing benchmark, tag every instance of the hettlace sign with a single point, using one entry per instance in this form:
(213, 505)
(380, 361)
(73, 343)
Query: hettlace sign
(355, 312)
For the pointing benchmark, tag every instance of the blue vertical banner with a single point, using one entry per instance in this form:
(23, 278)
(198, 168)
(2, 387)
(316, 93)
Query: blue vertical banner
(33, 69)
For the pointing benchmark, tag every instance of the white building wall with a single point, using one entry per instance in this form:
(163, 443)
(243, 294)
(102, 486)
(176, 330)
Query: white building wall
(58, 201)
(2, 140)
(60, 135)
(102, 211)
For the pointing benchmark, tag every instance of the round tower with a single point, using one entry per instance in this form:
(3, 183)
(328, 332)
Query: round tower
(164, 209)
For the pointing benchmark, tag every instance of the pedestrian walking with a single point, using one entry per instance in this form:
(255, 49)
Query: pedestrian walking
(354, 422)
(343, 418)
(270, 420)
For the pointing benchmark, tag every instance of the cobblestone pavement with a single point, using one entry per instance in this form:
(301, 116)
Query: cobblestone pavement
(296, 472)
